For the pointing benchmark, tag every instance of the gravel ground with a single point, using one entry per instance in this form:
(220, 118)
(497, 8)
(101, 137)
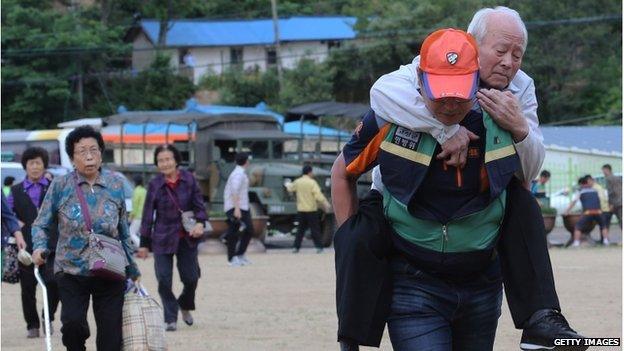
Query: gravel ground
(286, 302)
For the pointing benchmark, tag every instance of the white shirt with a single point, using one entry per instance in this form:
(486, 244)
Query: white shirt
(189, 60)
(395, 98)
(237, 186)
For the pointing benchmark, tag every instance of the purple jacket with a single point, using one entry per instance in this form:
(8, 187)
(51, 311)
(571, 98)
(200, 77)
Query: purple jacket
(161, 222)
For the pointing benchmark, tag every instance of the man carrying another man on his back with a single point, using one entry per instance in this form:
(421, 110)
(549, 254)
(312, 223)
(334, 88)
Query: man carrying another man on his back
(508, 96)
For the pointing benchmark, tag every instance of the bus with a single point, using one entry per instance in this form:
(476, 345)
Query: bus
(16, 141)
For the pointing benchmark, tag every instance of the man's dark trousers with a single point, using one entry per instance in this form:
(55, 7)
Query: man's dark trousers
(236, 243)
(525, 262)
(309, 220)
(361, 274)
(108, 297)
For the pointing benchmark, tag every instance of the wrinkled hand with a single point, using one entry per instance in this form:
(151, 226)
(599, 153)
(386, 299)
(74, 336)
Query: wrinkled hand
(505, 111)
(237, 213)
(19, 240)
(197, 231)
(37, 257)
(455, 149)
(142, 253)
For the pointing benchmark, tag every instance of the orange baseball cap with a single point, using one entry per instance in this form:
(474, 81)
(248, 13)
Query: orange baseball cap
(449, 61)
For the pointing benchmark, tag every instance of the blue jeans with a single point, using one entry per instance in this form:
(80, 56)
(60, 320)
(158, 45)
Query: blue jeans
(431, 314)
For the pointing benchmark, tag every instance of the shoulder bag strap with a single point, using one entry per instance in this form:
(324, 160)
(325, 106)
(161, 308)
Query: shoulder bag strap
(83, 204)
(175, 202)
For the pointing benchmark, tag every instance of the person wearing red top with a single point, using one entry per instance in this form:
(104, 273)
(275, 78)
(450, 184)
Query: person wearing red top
(171, 192)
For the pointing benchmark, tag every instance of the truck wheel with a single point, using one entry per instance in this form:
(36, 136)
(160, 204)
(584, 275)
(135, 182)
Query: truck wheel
(255, 210)
(328, 227)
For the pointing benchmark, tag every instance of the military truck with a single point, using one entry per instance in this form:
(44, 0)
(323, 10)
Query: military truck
(209, 146)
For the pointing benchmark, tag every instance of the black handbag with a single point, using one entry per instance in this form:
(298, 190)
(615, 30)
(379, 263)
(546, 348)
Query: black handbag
(10, 268)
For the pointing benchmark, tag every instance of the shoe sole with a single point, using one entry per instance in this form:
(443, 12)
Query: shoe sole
(535, 347)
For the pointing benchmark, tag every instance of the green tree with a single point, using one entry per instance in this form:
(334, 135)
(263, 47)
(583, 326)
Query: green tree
(157, 88)
(46, 57)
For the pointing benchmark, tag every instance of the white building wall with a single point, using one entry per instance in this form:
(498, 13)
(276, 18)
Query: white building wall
(209, 60)
(214, 60)
(143, 53)
(255, 56)
(292, 52)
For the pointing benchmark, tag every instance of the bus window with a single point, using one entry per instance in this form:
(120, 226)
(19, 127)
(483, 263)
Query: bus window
(15, 149)
(53, 148)
(18, 148)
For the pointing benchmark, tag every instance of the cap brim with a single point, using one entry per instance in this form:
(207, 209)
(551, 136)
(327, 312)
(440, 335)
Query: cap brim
(443, 86)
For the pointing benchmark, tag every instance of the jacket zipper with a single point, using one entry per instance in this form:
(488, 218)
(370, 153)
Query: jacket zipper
(445, 237)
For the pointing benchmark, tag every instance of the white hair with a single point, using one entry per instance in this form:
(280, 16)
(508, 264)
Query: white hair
(478, 25)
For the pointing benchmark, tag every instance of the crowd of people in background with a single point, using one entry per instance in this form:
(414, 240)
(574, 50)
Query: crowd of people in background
(598, 205)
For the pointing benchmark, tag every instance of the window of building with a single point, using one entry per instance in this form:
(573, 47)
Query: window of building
(271, 56)
(236, 55)
(331, 44)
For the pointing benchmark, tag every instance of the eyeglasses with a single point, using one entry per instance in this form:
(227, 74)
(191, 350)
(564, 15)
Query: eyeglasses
(85, 152)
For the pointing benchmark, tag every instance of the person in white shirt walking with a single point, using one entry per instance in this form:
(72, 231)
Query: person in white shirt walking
(236, 207)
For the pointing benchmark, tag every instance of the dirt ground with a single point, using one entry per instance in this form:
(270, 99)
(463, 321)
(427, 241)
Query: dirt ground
(286, 302)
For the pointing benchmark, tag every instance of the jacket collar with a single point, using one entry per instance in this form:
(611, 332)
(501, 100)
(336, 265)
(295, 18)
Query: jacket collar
(99, 180)
(183, 174)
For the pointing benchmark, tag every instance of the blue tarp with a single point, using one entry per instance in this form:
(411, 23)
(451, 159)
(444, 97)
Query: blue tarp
(202, 32)
(193, 107)
(310, 129)
(261, 110)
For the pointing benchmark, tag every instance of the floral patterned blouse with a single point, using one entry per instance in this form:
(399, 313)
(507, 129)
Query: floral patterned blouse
(106, 203)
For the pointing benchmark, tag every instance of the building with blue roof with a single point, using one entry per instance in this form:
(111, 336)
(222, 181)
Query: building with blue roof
(201, 46)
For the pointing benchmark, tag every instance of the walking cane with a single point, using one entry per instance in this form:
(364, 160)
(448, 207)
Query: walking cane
(46, 311)
(26, 260)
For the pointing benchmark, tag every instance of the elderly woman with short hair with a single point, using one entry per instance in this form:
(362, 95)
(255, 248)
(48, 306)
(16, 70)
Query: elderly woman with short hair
(170, 193)
(105, 202)
(25, 199)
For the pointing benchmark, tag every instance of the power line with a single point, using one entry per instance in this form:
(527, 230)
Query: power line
(363, 34)
(613, 116)
(134, 72)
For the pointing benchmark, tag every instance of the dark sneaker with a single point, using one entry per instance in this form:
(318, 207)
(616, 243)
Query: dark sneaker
(187, 317)
(32, 333)
(544, 327)
(171, 326)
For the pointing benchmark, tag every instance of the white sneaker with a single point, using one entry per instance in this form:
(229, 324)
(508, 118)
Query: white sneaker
(605, 242)
(576, 243)
(243, 260)
(235, 262)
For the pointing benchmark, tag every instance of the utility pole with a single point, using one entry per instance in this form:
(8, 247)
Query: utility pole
(278, 51)
(79, 86)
